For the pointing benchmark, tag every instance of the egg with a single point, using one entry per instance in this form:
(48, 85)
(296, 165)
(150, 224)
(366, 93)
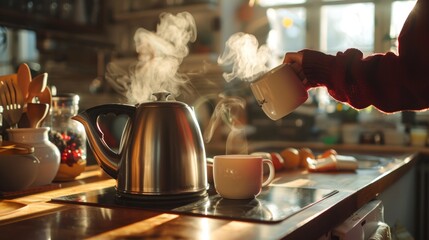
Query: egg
(291, 158)
(278, 161)
(305, 153)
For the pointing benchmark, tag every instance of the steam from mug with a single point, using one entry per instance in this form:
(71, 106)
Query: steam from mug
(279, 91)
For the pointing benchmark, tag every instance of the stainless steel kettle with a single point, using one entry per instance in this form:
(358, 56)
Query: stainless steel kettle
(161, 153)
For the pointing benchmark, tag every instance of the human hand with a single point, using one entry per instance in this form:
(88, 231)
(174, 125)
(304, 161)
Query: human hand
(293, 57)
(295, 60)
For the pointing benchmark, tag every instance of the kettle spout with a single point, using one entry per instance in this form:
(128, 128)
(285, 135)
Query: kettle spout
(104, 155)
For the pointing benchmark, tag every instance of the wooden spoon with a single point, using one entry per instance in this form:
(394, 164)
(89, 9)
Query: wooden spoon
(23, 78)
(37, 85)
(36, 112)
(45, 97)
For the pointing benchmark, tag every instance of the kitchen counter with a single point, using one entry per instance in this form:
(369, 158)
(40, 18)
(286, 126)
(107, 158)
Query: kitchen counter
(219, 148)
(40, 218)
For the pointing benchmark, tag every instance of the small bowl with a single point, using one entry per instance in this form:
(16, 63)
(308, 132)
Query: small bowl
(17, 171)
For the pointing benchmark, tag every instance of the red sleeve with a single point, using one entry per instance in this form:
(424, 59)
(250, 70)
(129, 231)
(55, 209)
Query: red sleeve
(387, 81)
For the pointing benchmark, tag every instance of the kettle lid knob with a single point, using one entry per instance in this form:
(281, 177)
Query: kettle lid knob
(161, 96)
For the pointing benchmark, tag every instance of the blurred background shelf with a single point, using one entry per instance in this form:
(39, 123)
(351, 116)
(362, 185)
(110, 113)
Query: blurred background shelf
(132, 15)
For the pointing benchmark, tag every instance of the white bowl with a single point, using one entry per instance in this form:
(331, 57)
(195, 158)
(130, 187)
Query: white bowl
(17, 171)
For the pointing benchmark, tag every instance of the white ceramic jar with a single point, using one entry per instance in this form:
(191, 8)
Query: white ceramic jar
(47, 153)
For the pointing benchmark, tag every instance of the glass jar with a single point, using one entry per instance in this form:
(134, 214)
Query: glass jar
(68, 135)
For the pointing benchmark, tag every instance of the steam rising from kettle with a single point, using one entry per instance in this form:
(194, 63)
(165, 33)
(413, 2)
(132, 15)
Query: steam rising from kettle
(230, 111)
(160, 54)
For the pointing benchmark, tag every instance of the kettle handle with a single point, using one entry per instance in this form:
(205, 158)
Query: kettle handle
(105, 156)
(114, 108)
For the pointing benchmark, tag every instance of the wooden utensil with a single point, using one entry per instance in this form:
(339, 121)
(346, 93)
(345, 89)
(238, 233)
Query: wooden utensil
(23, 122)
(45, 97)
(18, 101)
(36, 112)
(12, 101)
(23, 79)
(37, 85)
(13, 77)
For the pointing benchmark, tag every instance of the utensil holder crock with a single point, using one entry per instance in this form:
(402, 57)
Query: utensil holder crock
(47, 153)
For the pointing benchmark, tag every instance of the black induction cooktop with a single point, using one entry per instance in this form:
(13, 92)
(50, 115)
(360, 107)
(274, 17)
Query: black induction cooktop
(274, 204)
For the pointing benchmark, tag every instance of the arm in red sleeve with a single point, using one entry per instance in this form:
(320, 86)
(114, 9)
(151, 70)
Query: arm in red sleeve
(388, 81)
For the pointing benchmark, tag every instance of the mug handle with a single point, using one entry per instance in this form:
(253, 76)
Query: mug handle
(272, 172)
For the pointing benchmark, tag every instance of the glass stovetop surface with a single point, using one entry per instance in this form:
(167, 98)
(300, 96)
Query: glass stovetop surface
(274, 204)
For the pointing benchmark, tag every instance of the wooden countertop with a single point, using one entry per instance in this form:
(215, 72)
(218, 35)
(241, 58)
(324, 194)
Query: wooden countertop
(42, 219)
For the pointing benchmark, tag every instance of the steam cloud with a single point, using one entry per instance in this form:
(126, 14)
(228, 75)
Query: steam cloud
(247, 60)
(230, 112)
(159, 57)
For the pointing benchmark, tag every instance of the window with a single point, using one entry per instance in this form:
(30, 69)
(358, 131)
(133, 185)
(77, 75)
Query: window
(347, 25)
(400, 11)
(335, 25)
(287, 29)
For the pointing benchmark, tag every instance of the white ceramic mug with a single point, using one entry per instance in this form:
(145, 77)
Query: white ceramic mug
(240, 176)
(279, 91)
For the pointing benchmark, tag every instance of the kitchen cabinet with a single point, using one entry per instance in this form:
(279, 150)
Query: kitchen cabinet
(75, 16)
